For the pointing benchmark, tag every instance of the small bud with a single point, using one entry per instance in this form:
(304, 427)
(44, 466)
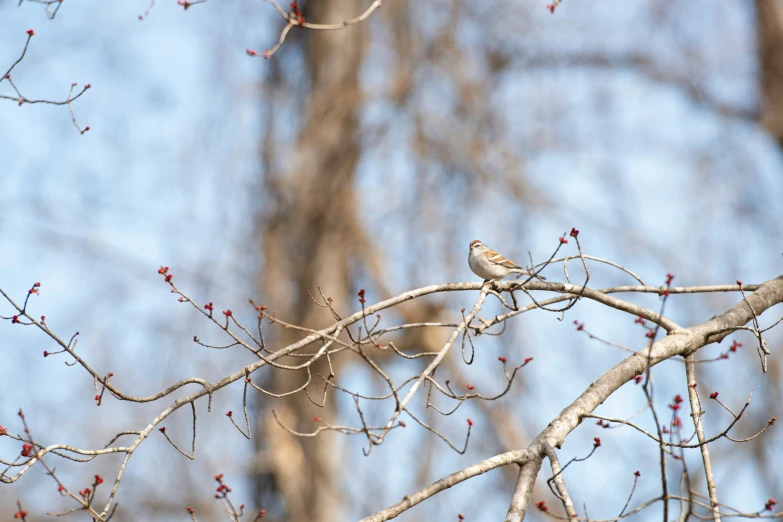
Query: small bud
(596, 442)
(30, 32)
(162, 430)
(528, 359)
(574, 232)
(470, 422)
(637, 474)
(714, 395)
(229, 413)
(251, 52)
(563, 241)
(502, 359)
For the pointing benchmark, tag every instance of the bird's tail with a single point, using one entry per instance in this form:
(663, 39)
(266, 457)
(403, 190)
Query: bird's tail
(529, 273)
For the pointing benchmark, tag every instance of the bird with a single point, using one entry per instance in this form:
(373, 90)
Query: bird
(491, 266)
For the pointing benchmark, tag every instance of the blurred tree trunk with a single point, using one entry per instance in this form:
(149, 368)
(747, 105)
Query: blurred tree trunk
(769, 15)
(310, 237)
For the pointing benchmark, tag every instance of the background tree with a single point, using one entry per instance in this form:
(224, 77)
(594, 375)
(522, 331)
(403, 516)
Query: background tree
(434, 124)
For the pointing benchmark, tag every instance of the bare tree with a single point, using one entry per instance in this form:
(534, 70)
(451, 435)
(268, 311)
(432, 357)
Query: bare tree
(361, 336)
(312, 231)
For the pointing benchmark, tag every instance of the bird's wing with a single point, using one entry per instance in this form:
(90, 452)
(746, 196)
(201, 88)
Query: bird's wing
(494, 257)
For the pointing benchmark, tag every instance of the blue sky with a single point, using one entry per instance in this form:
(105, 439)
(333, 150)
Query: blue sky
(169, 174)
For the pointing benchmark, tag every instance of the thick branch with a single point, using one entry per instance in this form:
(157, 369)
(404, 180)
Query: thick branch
(408, 501)
(683, 342)
(523, 490)
(693, 395)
